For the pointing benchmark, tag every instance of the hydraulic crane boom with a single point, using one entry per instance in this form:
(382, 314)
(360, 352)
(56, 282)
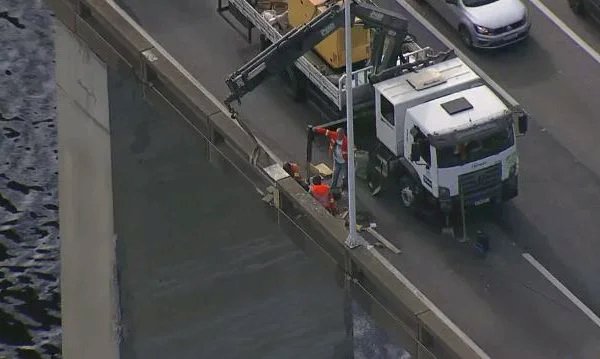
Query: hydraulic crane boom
(297, 42)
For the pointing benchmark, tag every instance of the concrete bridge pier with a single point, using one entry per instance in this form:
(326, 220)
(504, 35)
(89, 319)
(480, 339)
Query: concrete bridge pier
(90, 313)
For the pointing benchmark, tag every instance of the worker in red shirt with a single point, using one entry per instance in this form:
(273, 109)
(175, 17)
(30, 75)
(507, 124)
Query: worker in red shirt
(338, 148)
(321, 192)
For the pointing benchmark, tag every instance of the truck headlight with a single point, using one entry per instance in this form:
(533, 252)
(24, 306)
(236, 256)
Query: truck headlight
(482, 30)
(444, 193)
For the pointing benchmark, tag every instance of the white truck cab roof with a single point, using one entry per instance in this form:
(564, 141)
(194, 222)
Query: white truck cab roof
(457, 111)
(434, 81)
(424, 95)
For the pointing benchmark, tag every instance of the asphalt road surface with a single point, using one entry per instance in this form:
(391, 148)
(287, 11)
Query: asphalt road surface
(503, 302)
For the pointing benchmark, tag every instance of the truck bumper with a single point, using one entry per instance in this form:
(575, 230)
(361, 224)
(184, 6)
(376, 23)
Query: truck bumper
(503, 192)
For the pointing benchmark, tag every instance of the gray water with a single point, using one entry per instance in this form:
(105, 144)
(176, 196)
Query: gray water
(29, 245)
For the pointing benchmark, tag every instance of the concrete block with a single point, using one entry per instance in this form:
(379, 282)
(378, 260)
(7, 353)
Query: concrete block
(276, 172)
(321, 169)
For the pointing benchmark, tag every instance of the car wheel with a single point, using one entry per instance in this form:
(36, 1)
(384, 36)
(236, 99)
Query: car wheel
(576, 6)
(465, 36)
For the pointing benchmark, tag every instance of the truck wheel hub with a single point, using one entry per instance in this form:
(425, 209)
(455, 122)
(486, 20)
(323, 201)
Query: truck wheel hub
(408, 196)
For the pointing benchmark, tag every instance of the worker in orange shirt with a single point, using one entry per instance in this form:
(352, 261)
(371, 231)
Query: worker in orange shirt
(322, 193)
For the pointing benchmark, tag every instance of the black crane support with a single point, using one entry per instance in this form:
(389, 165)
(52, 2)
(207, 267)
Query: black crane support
(398, 70)
(280, 54)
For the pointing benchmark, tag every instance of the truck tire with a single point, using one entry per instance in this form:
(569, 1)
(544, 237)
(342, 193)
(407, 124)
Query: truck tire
(374, 178)
(408, 193)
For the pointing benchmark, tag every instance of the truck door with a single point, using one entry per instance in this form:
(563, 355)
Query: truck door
(423, 163)
(386, 125)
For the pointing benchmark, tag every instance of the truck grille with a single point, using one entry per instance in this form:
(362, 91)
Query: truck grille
(480, 183)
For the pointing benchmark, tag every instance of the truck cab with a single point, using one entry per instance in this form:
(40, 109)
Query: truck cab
(453, 137)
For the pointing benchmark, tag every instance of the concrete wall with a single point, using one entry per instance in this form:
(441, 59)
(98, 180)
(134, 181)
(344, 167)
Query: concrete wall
(85, 195)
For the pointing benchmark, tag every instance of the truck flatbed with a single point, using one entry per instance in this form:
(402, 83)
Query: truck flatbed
(325, 80)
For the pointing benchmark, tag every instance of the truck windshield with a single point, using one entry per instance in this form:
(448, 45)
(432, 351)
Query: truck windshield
(475, 150)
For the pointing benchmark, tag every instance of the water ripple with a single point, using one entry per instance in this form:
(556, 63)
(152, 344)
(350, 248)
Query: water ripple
(29, 244)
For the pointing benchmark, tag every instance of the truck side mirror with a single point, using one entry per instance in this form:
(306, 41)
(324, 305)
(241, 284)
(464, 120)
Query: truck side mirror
(520, 120)
(522, 123)
(414, 152)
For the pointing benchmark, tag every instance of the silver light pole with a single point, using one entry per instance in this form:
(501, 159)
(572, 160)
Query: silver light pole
(352, 241)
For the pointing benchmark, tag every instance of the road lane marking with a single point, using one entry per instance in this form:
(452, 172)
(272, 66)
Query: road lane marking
(587, 311)
(429, 304)
(383, 240)
(567, 30)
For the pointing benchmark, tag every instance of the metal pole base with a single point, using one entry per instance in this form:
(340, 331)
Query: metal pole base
(354, 242)
(448, 231)
(463, 239)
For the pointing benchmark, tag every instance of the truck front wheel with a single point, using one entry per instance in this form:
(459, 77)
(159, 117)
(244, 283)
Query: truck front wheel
(408, 194)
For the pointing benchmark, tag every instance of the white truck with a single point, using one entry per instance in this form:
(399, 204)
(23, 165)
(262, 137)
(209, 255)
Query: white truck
(436, 128)
(450, 137)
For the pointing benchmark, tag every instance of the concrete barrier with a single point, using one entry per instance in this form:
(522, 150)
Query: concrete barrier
(118, 41)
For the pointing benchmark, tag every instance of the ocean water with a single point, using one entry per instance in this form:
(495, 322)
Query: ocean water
(29, 243)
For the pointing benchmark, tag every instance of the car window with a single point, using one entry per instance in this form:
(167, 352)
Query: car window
(475, 3)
